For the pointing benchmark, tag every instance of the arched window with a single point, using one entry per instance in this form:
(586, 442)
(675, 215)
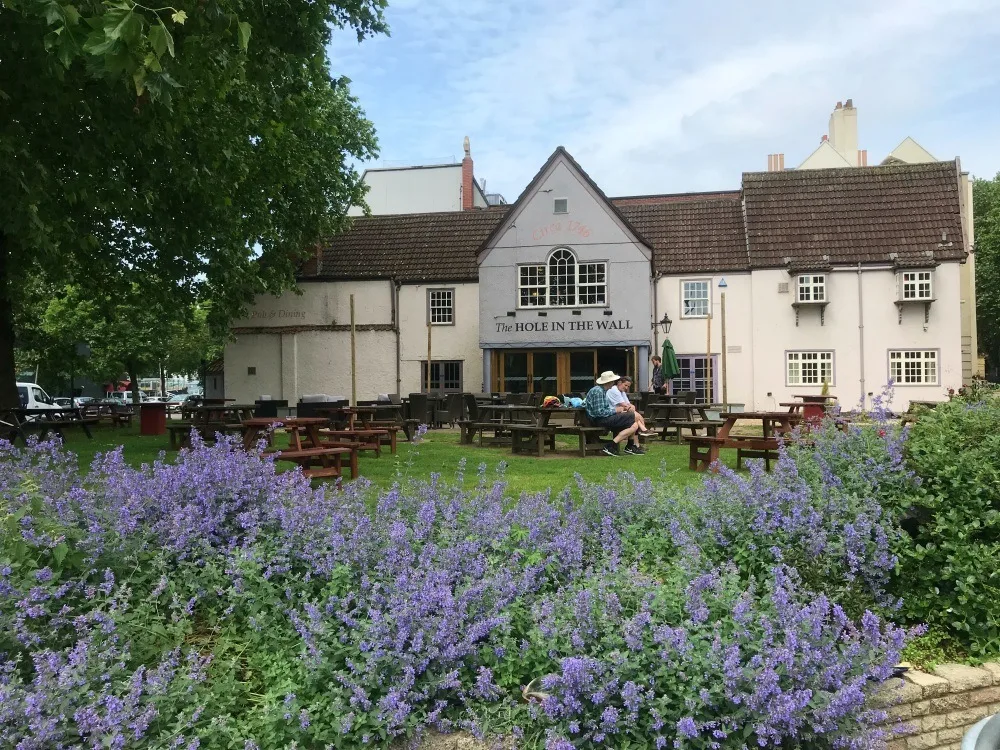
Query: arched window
(562, 278)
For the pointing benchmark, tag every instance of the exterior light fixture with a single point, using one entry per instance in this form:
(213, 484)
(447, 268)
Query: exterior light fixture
(722, 283)
(666, 323)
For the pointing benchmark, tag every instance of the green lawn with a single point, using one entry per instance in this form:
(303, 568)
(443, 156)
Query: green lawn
(440, 452)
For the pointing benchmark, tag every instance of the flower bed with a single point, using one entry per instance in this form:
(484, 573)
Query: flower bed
(215, 603)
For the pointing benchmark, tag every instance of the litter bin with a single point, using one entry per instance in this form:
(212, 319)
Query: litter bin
(152, 418)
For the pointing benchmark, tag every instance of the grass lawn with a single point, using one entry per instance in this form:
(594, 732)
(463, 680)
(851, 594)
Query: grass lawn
(440, 452)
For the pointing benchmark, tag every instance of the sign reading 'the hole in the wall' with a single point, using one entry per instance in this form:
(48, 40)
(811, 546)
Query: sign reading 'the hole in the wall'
(545, 326)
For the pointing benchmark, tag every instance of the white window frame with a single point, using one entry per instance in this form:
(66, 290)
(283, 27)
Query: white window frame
(441, 309)
(542, 283)
(906, 364)
(916, 285)
(822, 360)
(685, 298)
(810, 288)
(555, 205)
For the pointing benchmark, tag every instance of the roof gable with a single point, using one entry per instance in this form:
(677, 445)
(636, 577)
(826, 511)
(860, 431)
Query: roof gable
(825, 157)
(561, 158)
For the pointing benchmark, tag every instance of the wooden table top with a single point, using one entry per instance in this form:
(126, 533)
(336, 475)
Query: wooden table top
(286, 421)
(761, 415)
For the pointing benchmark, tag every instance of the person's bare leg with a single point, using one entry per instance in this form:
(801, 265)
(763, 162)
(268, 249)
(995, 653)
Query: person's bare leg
(624, 435)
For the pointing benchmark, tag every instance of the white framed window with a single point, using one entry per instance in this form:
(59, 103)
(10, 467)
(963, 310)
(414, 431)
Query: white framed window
(441, 307)
(532, 286)
(695, 299)
(446, 376)
(809, 368)
(563, 282)
(562, 278)
(593, 283)
(811, 287)
(913, 366)
(560, 206)
(916, 285)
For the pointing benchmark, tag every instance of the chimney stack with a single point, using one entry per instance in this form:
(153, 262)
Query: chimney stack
(775, 162)
(844, 131)
(468, 202)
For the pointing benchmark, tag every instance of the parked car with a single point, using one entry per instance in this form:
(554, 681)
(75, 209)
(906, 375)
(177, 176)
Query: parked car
(63, 401)
(33, 396)
(83, 400)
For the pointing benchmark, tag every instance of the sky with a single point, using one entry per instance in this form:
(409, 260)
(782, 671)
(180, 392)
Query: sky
(663, 96)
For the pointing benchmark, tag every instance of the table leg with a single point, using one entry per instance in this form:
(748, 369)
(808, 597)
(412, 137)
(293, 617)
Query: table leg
(86, 429)
(354, 463)
(392, 441)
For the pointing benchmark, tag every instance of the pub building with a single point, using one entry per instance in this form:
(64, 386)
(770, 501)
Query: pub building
(845, 276)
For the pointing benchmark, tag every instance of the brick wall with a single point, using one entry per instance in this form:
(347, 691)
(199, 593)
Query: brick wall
(938, 707)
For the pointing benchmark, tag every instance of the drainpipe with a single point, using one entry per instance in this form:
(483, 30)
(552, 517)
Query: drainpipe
(861, 336)
(395, 326)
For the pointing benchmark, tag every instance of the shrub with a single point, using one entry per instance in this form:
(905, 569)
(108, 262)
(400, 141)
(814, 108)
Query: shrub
(217, 603)
(949, 569)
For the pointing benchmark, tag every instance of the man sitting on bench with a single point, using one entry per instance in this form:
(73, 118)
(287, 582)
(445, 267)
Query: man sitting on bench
(618, 395)
(618, 419)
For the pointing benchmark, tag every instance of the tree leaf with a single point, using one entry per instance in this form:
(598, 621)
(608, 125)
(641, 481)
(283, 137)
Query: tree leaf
(179, 17)
(114, 22)
(161, 39)
(244, 33)
(72, 15)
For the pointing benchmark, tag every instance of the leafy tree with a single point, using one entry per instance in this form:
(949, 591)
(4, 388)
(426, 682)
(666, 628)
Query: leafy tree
(986, 209)
(191, 152)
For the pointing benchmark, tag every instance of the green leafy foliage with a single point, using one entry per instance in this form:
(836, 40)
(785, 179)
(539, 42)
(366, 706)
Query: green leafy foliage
(986, 209)
(949, 557)
(195, 152)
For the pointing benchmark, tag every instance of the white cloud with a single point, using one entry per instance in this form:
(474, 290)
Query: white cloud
(664, 96)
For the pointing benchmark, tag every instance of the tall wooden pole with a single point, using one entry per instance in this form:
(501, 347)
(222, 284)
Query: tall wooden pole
(428, 356)
(354, 360)
(725, 386)
(709, 390)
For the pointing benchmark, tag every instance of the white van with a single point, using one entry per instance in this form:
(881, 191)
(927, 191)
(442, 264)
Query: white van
(34, 397)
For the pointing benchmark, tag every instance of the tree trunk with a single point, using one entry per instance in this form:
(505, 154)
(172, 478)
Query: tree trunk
(8, 371)
(133, 376)
(163, 380)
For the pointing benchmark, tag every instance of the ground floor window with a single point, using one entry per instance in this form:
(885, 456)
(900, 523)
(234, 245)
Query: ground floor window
(446, 376)
(913, 366)
(697, 374)
(808, 368)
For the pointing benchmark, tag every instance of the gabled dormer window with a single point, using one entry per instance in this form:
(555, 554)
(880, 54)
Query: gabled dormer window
(915, 286)
(811, 288)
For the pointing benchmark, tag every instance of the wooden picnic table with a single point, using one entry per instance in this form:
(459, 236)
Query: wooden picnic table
(305, 445)
(704, 450)
(667, 415)
(211, 413)
(18, 422)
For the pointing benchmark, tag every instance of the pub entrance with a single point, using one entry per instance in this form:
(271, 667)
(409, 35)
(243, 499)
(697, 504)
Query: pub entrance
(554, 372)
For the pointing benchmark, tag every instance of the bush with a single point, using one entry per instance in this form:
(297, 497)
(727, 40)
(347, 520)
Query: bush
(215, 603)
(949, 557)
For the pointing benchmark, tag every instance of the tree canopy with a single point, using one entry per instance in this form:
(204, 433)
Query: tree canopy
(986, 208)
(196, 151)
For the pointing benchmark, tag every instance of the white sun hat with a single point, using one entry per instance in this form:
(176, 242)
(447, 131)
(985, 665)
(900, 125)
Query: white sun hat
(608, 376)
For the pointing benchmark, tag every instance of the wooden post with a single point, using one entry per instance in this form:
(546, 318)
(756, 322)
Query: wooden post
(354, 361)
(709, 390)
(725, 387)
(428, 357)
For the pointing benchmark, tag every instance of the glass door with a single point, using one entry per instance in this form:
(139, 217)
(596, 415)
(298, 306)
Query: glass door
(582, 370)
(544, 377)
(698, 375)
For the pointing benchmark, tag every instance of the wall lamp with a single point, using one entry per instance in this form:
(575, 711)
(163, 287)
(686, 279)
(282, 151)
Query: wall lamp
(666, 323)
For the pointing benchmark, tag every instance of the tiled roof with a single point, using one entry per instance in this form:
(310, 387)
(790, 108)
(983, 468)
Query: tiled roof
(851, 215)
(854, 215)
(693, 236)
(409, 247)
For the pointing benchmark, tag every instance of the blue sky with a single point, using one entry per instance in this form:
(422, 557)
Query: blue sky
(664, 96)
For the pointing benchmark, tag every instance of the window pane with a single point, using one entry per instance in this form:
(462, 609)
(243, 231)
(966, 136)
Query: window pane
(695, 299)
(441, 306)
(532, 286)
(562, 279)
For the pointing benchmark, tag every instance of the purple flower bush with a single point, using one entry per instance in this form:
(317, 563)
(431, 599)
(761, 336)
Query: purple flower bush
(215, 602)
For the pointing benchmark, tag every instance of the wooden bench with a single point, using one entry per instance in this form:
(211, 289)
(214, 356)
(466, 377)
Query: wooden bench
(363, 439)
(305, 456)
(704, 450)
(56, 426)
(180, 433)
(527, 438)
(711, 427)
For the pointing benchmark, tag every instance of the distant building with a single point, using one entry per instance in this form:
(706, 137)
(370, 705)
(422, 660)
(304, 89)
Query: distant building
(849, 276)
(430, 188)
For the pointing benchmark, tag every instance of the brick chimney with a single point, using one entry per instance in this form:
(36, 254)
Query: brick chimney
(775, 162)
(468, 202)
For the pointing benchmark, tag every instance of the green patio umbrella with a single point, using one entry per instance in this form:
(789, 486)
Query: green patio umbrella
(671, 369)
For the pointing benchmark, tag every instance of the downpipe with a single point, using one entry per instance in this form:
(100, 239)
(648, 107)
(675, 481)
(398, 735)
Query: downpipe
(861, 339)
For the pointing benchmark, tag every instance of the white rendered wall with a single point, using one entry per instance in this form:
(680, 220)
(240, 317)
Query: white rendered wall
(413, 190)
